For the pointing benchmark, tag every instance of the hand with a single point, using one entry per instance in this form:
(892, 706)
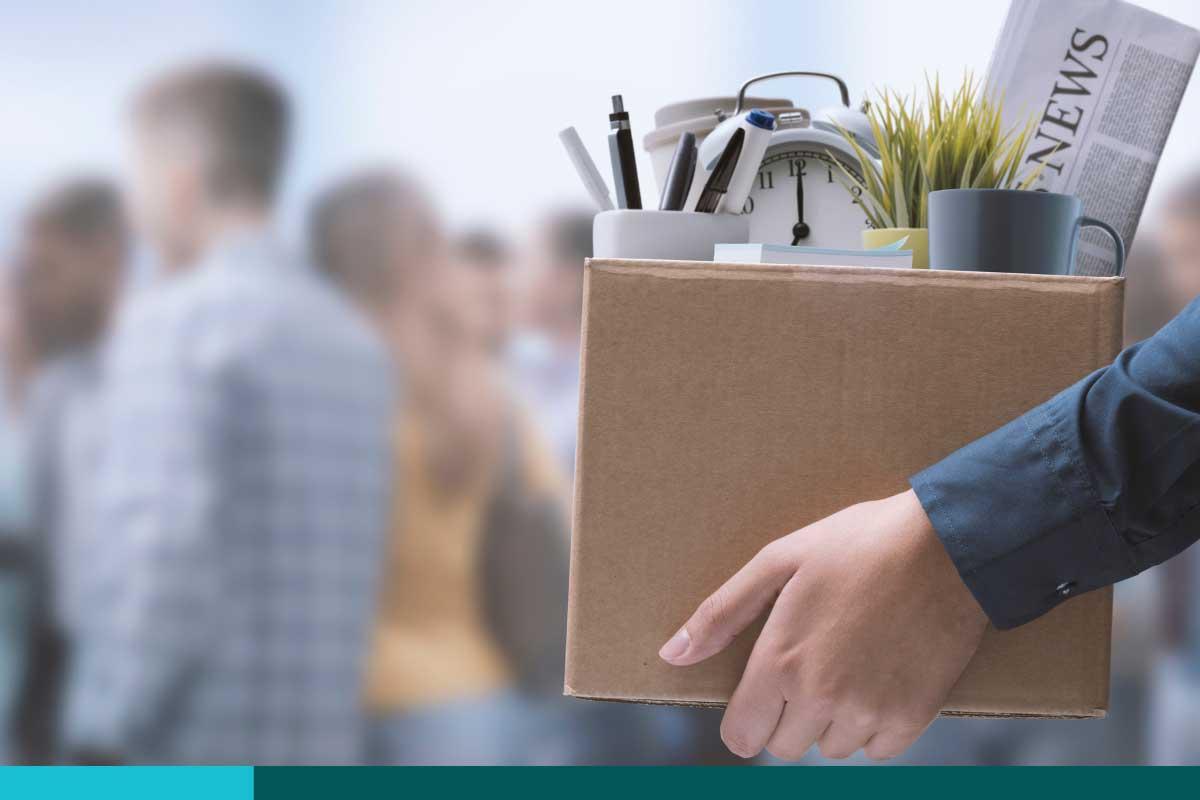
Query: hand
(871, 628)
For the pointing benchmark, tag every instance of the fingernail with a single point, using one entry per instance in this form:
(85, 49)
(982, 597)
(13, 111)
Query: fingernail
(676, 647)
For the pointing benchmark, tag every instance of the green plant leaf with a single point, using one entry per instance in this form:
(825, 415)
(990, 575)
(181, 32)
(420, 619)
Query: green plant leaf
(953, 139)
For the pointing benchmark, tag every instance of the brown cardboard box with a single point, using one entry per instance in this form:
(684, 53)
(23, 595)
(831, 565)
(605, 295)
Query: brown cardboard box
(724, 406)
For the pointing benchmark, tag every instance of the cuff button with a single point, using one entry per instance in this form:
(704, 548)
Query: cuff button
(1065, 588)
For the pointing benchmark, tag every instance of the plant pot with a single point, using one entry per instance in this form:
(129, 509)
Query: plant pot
(918, 242)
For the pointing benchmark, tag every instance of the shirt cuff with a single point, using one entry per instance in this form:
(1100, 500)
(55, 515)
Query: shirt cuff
(1019, 517)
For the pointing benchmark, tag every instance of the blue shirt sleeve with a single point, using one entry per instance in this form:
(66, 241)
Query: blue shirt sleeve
(1093, 486)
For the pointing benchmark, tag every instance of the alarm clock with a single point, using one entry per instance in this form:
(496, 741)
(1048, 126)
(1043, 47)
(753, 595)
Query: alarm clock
(801, 196)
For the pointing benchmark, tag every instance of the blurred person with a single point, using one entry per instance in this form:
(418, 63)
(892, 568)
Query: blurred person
(14, 505)
(1152, 299)
(488, 260)
(471, 620)
(15, 371)
(74, 247)
(1180, 237)
(244, 475)
(16, 358)
(73, 251)
(1175, 705)
(13, 498)
(1174, 718)
(545, 355)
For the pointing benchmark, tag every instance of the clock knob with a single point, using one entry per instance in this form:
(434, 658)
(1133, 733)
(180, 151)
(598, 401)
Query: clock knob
(799, 231)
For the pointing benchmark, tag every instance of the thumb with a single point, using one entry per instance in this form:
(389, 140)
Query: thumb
(727, 611)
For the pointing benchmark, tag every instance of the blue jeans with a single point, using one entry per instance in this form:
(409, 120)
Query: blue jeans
(476, 732)
(508, 728)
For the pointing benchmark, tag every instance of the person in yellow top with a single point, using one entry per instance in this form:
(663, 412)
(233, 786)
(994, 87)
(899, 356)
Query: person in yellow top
(472, 606)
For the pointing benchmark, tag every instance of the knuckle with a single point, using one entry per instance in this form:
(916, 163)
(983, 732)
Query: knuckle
(787, 751)
(773, 554)
(714, 611)
(866, 717)
(835, 751)
(823, 695)
(821, 704)
(898, 731)
(912, 718)
(787, 664)
(880, 752)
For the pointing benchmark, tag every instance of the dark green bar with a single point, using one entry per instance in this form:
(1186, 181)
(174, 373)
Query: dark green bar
(671, 783)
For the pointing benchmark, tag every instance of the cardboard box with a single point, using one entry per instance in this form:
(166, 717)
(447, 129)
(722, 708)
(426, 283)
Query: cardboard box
(724, 406)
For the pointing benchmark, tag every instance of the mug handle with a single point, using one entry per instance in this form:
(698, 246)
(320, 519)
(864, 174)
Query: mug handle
(1118, 243)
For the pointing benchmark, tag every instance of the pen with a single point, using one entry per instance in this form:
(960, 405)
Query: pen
(593, 181)
(679, 174)
(624, 162)
(718, 182)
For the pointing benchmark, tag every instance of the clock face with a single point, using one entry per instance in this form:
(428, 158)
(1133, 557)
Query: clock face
(800, 197)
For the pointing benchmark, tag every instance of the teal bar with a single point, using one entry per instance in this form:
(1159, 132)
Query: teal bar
(727, 783)
(127, 783)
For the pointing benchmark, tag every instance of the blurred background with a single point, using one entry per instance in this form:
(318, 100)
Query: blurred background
(423, 172)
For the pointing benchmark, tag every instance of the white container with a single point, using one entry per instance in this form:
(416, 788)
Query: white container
(668, 235)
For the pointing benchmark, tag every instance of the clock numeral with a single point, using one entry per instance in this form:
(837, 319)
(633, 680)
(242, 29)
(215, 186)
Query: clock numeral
(796, 168)
(748, 208)
(766, 179)
(830, 169)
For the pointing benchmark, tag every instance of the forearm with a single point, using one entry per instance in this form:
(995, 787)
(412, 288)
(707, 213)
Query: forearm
(1089, 488)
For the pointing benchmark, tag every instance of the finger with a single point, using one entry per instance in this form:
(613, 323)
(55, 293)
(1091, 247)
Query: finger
(891, 743)
(727, 611)
(843, 739)
(796, 732)
(752, 714)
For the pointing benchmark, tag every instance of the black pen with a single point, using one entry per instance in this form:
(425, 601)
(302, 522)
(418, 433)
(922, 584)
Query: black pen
(679, 174)
(624, 162)
(718, 182)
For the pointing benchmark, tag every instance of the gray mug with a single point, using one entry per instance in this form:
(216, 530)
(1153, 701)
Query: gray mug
(1006, 230)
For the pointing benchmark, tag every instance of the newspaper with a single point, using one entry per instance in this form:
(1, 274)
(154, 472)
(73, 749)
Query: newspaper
(1103, 79)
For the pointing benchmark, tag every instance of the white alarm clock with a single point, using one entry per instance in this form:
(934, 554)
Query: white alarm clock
(801, 196)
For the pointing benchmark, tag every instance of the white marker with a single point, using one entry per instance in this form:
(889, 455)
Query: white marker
(592, 180)
(758, 126)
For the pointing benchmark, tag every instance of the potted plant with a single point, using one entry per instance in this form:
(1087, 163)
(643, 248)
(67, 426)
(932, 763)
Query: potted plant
(953, 141)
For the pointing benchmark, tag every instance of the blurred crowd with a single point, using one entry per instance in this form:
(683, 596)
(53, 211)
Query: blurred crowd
(289, 502)
(307, 502)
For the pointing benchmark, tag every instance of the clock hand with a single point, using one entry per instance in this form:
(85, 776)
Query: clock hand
(800, 230)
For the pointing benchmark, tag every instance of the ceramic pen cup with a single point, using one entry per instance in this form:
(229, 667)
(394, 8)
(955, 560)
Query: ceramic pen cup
(669, 235)
(1007, 230)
